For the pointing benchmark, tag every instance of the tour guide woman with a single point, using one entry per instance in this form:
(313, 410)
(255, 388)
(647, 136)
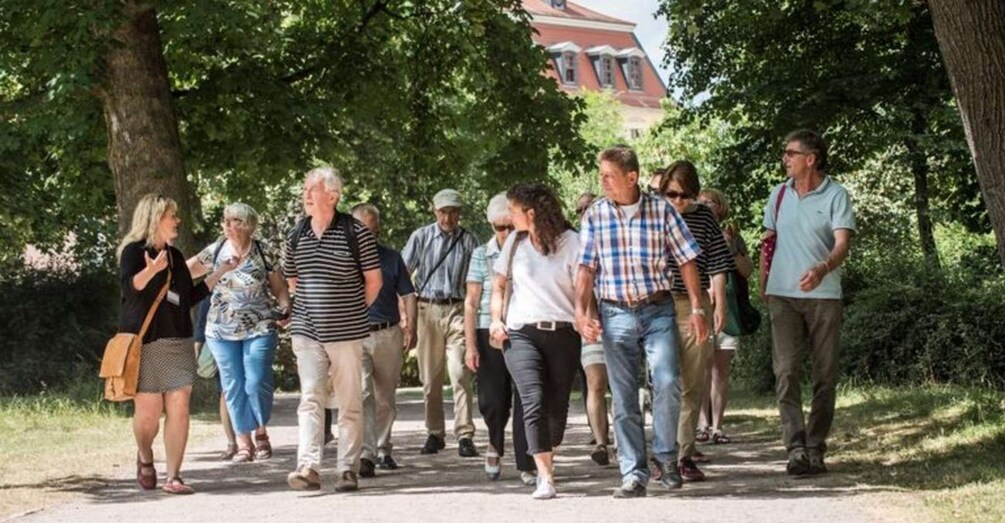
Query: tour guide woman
(167, 361)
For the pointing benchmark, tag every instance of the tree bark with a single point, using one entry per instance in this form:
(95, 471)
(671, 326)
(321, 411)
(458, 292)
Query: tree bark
(920, 170)
(971, 35)
(144, 149)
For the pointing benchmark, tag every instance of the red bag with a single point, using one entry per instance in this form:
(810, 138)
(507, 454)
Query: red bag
(769, 243)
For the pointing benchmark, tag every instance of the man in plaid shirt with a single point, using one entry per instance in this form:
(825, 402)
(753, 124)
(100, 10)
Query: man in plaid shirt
(627, 238)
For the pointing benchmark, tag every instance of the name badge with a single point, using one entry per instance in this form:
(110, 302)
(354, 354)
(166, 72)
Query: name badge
(173, 298)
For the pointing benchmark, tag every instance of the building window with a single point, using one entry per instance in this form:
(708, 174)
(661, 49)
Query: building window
(606, 70)
(635, 134)
(635, 73)
(558, 4)
(569, 67)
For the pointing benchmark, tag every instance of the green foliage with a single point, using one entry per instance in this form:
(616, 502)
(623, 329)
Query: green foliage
(56, 326)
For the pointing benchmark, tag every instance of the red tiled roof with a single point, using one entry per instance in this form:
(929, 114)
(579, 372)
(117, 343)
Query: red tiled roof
(544, 8)
(653, 90)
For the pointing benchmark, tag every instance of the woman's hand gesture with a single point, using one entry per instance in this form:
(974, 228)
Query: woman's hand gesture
(158, 264)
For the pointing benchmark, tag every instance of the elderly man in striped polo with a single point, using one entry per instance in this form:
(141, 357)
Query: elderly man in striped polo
(627, 238)
(331, 264)
(438, 255)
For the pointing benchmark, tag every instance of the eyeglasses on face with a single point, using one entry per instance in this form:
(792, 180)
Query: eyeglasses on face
(674, 195)
(789, 153)
(500, 227)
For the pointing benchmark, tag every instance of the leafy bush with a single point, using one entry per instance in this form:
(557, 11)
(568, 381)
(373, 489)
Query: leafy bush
(56, 324)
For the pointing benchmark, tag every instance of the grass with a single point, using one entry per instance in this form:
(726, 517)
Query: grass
(940, 444)
(58, 445)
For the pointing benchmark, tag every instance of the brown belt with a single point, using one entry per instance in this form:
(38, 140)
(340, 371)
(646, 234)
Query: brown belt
(652, 299)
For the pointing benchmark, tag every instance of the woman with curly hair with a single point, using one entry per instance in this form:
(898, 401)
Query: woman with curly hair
(540, 345)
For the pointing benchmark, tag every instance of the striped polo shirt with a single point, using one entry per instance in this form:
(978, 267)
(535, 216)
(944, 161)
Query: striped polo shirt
(714, 258)
(330, 305)
(630, 253)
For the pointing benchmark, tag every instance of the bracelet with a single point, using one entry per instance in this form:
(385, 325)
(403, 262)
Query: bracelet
(699, 312)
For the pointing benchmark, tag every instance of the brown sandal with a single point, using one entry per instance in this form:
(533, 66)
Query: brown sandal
(244, 455)
(176, 486)
(228, 454)
(147, 480)
(264, 448)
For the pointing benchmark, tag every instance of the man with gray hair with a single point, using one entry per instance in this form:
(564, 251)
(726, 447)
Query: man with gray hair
(331, 263)
(438, 255)
(383, 350)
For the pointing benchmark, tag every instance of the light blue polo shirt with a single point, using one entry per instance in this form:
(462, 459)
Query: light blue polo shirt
(805, 231)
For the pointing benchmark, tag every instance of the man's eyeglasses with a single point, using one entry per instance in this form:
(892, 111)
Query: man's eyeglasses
(789, 153)
(674, 195)
(501, 228)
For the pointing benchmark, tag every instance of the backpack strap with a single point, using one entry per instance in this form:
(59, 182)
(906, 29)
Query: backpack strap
(461, 231)
(261, 252)
(349, 230)
(219, 247)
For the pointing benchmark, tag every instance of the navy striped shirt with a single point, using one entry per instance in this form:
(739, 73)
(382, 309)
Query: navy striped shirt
(330, 305)
(714, 258)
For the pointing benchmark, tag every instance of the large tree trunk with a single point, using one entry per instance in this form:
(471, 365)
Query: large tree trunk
(144, 150)
(918, 161)
(971, 35)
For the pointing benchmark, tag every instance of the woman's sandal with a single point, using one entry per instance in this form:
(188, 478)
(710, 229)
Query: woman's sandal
(720, 438)
(263, 447)
(702, 435)
(228, 454)
(147, 480)
(244, 455)
(176, 486)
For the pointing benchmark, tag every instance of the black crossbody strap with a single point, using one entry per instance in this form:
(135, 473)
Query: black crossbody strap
(443, 257)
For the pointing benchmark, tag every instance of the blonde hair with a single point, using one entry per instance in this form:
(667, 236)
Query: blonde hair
(720, 200)
(146, 218)
(243, 212)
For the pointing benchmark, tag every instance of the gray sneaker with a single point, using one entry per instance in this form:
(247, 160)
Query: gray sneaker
(799, 464)
(630, 488)
(347, 482)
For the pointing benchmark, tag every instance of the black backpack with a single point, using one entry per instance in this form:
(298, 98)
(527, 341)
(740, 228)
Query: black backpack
(348, 229)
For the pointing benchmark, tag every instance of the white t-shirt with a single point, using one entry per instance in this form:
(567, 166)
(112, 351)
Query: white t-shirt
(543, 286)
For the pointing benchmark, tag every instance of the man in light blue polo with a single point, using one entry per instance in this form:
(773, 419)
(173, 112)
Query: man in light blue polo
(812, 216)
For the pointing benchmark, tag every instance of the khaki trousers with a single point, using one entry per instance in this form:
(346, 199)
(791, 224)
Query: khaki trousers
(441, 347)
(695, 356)
(330, 374)
(382, 357)
(799, 325)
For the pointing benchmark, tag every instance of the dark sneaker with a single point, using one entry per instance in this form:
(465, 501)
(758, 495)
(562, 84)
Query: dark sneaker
(799, 464)
(347, 482)
(466, 448)
(433, 445)
(816, 463)
(630, 488)
(387, 463)
(304, 478)
(689, 471)
(600, 455)
(667, 475)
(366, 468)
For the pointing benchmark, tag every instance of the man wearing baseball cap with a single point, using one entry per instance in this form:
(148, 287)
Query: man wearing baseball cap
(438, 255)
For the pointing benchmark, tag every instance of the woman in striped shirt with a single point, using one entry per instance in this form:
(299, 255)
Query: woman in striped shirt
(680, 186)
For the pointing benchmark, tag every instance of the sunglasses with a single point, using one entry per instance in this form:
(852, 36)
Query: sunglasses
(501, 228)
(673, 195)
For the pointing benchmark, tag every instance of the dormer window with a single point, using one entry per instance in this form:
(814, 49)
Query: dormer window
(558, 4)
(604, 64)
(569, 67)
(566, 56)
(631, 64)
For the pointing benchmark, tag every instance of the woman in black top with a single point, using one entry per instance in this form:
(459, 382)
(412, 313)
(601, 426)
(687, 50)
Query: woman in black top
(167, 360)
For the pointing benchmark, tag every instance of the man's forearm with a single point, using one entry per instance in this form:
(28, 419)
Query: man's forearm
(584, 290)
(692, 282)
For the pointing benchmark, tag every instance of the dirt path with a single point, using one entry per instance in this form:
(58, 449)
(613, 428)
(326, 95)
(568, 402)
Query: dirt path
(746, 483)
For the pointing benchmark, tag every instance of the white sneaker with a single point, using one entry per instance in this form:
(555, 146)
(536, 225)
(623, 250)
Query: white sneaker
(528, 478)
(545, 489)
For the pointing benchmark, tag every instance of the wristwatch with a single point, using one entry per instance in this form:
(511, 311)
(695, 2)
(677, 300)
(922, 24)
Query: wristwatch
(699, 312)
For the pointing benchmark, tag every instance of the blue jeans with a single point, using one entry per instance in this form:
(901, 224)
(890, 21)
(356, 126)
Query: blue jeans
(627, 333)
(246, 375)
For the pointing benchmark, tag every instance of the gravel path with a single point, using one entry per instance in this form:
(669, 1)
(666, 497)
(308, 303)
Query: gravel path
(746, 483)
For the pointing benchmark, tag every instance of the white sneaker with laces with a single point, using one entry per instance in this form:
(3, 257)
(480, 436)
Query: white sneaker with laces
(545, 489)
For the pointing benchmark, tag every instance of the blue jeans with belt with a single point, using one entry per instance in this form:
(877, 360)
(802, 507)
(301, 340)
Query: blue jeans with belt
(628, 332)
(246, 376)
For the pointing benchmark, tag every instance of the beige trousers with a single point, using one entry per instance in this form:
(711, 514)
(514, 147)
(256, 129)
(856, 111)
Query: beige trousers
(382, 358)
(330, 375)
(441, 344)
(695, 356)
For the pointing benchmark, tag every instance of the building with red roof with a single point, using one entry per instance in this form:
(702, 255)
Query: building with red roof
(592, 51)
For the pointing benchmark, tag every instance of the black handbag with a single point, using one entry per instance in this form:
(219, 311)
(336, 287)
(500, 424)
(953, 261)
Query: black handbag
(742, 318)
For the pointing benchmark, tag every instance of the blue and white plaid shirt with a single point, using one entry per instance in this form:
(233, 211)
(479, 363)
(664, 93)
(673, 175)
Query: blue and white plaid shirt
(629, 254)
